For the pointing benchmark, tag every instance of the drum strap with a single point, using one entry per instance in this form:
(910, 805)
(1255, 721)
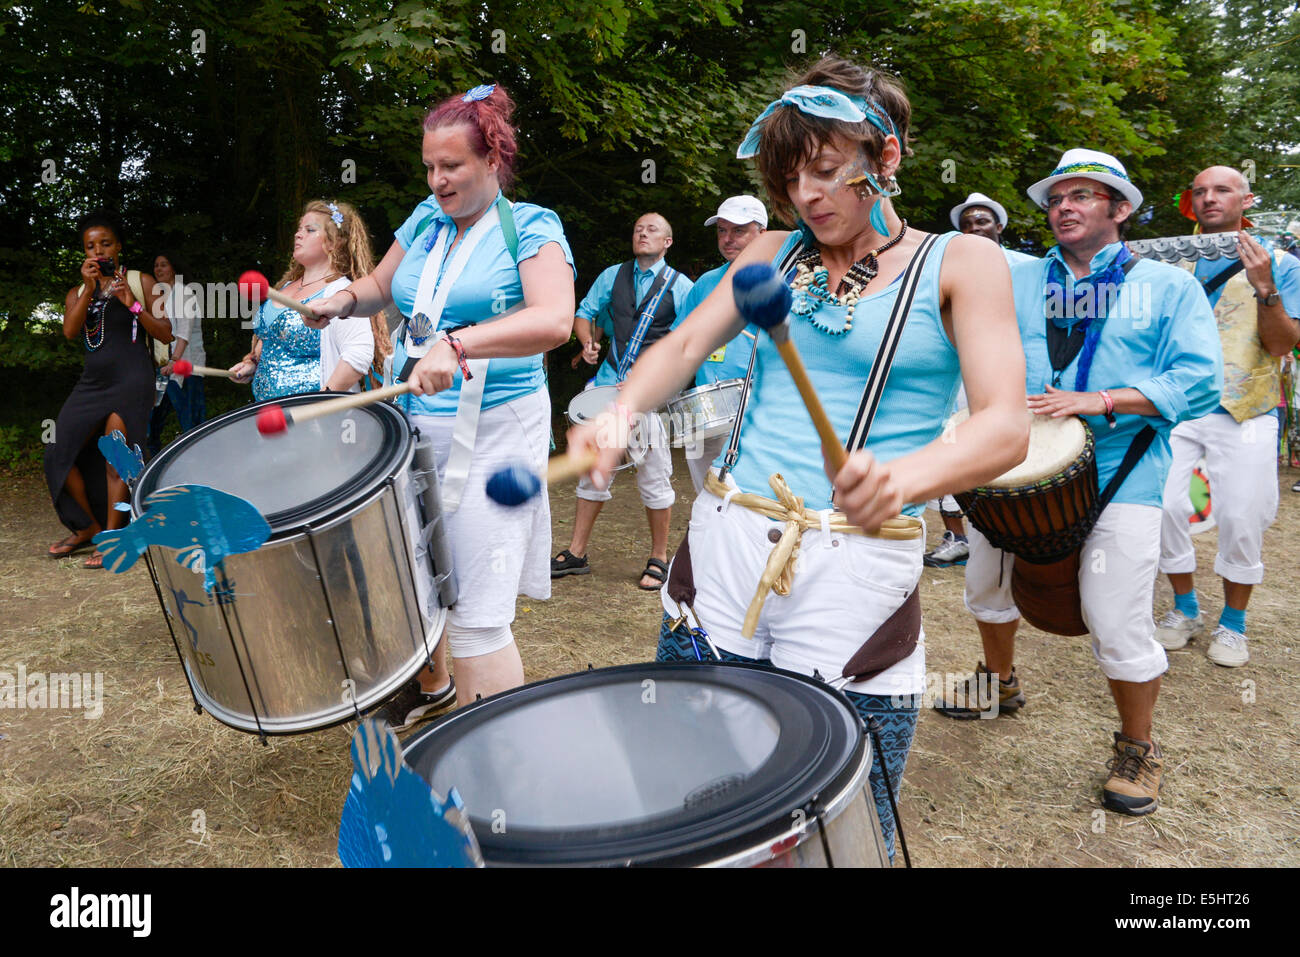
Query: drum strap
(884, 360)
(784, 268)
(1137, 448)
(667, 277)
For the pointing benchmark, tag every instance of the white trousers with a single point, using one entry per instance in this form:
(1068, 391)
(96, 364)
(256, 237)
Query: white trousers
(1241, 459)
(654, 473)
(1117, 577)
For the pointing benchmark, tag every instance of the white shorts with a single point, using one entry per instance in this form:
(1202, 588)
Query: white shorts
(1241, 459)
(845, 586)
(497, 552)
(1117, 576)
(654, 473)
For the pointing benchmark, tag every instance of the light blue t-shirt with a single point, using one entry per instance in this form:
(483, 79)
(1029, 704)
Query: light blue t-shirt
(777, 434)
(730, 361)
(595, 305)
(1014, 256)
(488, 286)
(1159, 337)
(1286, 276)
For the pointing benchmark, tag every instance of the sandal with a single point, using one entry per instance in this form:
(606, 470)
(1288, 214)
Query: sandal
(94, 561)
(655, 569)
(70, 546)
(567, 563)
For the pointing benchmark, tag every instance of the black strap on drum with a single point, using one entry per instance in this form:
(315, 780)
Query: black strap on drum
(1137, 448)
(1212, 285)
(880, 367)
(733, 443)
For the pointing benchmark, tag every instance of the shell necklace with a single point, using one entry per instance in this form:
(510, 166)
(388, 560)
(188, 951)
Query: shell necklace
(812, 278)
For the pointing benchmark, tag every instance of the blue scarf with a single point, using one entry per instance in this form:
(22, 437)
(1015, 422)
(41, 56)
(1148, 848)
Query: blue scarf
(1088, 305)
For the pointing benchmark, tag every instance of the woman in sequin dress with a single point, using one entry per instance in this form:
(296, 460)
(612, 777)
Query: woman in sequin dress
(115, 391)
(287, 358)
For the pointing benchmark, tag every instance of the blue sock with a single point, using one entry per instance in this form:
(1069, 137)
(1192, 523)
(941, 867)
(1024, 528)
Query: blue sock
(1188, 604)
(1234, 618)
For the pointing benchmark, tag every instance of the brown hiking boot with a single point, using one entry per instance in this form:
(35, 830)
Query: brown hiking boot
(973, 698)
(1134, 783)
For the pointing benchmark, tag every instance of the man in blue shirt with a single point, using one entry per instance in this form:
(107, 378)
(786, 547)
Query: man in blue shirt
(1255, 299)
(739, 220)
(1135, 345)
(634, 304)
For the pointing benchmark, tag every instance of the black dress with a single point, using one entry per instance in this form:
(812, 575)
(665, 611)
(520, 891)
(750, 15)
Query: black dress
(118, 377)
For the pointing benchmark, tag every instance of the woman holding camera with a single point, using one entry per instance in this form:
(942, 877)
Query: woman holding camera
(110, 313)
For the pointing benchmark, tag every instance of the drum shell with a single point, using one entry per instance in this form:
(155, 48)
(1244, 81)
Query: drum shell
(329, 617)
(704, 412)
(842, 820)
(1047, 595)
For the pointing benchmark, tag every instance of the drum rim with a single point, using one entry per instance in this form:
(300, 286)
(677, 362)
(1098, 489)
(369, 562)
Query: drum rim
(703, 836)
(395, 450)
(708, 387)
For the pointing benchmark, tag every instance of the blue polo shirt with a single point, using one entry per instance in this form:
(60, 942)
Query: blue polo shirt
(1159, 337)
(487, 287)
(730, 361)
(595, 305)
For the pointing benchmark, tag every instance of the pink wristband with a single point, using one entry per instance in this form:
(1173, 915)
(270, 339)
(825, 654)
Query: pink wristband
(1110, 403)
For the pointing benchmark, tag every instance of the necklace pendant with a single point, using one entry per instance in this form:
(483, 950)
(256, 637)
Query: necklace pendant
(804, 304)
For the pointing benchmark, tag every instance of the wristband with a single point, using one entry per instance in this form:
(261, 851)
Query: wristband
(1110, 407)
(461, 355)
(136, 308)
(348, 314)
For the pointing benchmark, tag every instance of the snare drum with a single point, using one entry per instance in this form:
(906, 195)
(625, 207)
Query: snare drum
(345, 601)
(1042, 511)
(590, 403)
(704, 412)
(661, 764)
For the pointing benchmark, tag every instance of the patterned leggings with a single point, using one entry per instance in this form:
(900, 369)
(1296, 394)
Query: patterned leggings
(898, 723)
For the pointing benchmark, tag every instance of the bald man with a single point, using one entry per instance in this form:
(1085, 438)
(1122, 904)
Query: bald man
(636, 303)
(1256, 300)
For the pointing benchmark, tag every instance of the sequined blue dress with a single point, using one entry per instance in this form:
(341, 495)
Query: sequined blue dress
(290, 362)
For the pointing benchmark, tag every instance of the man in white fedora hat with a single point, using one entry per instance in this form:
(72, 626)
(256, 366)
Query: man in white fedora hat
(1255, 297)
(985, 217)
(1124, 343)
(739, 221)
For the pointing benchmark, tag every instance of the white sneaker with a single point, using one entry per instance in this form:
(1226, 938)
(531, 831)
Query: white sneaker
(951, 551)
(1175, 630)
(1228, 648)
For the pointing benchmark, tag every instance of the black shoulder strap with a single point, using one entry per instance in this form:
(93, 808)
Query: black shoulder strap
(1211, 285)
(879, 374)
(1137, 448)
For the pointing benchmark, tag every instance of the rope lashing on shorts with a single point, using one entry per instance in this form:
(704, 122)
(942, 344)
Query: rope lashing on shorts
(778, 575)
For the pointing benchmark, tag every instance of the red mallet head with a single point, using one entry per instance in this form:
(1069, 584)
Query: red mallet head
(183, 368)
(272, 420)
(253, 285)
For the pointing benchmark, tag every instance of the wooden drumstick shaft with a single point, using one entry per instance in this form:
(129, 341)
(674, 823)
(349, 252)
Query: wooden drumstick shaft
(288, 302)
(794, 362)
(561, 468)
(209, 371)
(329, 406)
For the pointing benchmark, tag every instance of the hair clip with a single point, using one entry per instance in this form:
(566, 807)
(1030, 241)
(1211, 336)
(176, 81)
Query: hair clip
(479, 93)
(335, 214)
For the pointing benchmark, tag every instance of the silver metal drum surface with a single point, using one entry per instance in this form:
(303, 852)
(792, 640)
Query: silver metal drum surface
(661, 765)
(704, 412)
(330, 616)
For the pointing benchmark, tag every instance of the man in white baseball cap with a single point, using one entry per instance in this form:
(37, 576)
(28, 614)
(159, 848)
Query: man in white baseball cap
(739, 221)
(985, 217)
(1131, 346)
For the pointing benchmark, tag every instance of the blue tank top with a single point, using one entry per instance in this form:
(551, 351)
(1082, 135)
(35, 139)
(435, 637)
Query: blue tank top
(777, 434)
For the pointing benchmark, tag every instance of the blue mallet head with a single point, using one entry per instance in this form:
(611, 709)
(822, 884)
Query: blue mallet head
(513, 485)
(761, 295)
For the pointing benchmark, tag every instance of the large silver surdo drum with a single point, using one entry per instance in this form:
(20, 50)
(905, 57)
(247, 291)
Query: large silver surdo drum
(344, 602)
(661, 764)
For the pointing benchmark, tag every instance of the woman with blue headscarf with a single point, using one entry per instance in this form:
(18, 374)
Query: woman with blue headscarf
(841, 550)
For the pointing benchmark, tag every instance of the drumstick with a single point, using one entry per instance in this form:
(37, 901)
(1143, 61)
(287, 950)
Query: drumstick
(184, 368)
(764, 299)
(274, 419)
(254, 282)
(517, 483)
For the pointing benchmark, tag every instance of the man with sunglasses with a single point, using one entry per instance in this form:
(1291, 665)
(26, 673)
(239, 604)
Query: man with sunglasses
(1123, 343)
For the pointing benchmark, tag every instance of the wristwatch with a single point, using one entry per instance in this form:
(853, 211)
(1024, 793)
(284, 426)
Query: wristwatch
(1272, 299)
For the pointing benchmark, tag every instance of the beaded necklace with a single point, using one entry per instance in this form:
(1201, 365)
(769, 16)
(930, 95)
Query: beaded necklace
(93, 327)
(812, 278)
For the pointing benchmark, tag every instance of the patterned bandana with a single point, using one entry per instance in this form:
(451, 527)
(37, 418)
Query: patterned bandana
(1088, 304)
(823, 101)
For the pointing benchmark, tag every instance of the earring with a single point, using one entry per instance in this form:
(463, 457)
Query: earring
(892, 188)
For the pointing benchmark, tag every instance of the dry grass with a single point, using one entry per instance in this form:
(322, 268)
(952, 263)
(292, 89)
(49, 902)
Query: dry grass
(124, 789)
